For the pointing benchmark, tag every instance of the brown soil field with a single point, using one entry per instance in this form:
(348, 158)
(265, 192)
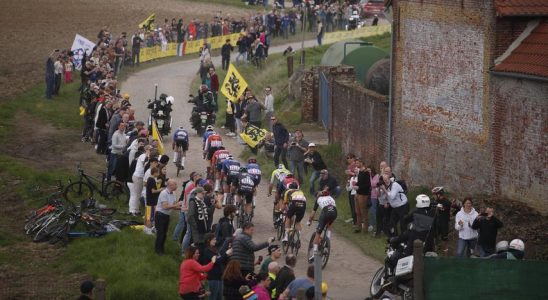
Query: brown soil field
(31, 29)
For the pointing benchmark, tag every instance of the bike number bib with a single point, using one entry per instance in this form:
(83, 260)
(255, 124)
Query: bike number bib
(216, 143)
(234, 169)
(181, 136)
(246, 183)
(254, 171)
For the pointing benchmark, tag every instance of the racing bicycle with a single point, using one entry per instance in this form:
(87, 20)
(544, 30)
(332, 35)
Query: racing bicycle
(293, 240)
(324, 248)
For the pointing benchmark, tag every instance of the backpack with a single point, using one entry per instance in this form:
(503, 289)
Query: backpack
(403, 185)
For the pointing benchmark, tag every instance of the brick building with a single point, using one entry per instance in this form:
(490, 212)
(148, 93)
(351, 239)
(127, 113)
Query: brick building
(470, 96)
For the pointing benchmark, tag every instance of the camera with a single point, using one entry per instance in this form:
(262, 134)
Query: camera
(380, 183)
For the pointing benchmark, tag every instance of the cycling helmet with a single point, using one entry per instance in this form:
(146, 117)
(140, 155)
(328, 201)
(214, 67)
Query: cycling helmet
(243, 170)
(126, 96)
(170, 99)
(209, 128)
(325, 193)
(289, 175)
(293, 186)
(517, 244)
(281, 167)
(230, 156)
(181, 127)
(252, 160)
(324, 288)
(502, 246)
(437, 190)
(423, 201)
(204, 87)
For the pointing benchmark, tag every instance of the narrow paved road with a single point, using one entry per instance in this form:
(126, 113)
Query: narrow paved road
(348, 272)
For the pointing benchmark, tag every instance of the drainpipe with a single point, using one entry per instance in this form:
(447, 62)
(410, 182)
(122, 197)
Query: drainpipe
(390, 94)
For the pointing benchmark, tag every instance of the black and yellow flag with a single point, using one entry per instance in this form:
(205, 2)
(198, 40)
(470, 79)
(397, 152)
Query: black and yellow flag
(234, 84)
(253, 135)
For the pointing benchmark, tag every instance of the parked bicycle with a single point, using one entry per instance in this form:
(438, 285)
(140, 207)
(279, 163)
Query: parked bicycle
(86, 185)
(324, 248)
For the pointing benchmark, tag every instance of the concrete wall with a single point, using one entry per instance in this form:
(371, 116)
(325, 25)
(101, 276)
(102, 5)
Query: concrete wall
(359, 119)
(520, 140)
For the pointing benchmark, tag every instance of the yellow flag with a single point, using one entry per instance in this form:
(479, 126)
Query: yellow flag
(156, 136)
(234, 84)
(147, 21)
(253, 135)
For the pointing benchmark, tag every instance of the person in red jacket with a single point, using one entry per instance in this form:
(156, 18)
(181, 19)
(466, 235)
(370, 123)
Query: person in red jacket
(191, 273)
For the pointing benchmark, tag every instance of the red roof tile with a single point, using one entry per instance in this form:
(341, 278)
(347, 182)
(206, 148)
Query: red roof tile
(521, 7)
(531, 56)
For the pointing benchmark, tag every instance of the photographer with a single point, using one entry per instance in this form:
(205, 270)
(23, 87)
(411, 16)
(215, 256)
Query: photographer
(487, 226)
(397, 200)
(295, 154)
(244, 248)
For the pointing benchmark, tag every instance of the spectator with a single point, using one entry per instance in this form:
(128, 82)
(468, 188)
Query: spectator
(212, 201)
(225, 54)
(295, 154)
(102, 125)
(269, 104)
(329, 183)
(487, 225)
(273, 269)
(230, 121)
(86, 290)
(137, 179)
(281, 138)
(362, 194)
(274, 252)
(198, 217)
(397, 200)
(214, 85)
(444, 211)
(290, 292)
(214, 276)
(468, 236)
(167, 202)
(312, 157)
(243, 46)
(233, 280)
(153, 189)
(286, 274)
(58, 71)
(191, 274)
(239, 109)
(373, 199)
(352, 181)
(319, 34)
(261, 289)
(225, 225)
(119, 143)
(253, 111)
(245, 248)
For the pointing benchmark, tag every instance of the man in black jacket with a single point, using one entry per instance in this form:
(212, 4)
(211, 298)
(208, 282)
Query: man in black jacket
(312, 157)
(281, 138)
(487, 225)
(102, 124)
(329, 183)
(225, 54)
(243, 248)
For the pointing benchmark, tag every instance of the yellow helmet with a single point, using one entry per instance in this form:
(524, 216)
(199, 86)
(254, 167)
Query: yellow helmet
(126, 96)
(324, 288)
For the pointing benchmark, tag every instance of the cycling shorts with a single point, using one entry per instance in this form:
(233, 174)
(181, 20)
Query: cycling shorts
(219, 166)
(256, 179)
(297, 209)
(247, 195)
(327, 217)
(182, 144)
(232, 180)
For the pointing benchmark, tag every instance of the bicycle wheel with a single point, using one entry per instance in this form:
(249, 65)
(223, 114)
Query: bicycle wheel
(287, 245)
(117, 191)
(311, 244)
(281, 228)
(326, 250)
(78, 191)
(296, 244)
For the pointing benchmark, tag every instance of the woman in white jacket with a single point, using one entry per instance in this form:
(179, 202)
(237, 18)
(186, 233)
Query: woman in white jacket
(468, 237)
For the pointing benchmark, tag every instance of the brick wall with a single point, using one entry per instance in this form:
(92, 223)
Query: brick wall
(441, 94)
(310, 87)
(520, 140)
(359, 121)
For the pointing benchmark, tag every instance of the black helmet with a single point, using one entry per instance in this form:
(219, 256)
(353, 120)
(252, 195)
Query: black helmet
(293, 186)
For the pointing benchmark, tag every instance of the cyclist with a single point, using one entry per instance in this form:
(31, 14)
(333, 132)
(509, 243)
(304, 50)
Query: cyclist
(246, 187)
(213, 142)
(217, 162)
(180, 140)
(209, 131)
(296, 201)
(230, 171)
(328, 215)
(277, 176)
(254, 170)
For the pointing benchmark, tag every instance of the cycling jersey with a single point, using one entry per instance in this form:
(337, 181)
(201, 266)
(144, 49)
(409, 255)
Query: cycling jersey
(213, 141)
(294, 195)
(278, 175)
(323, 202)
(219, 157)
(245, 182)
(180, 135)
(297, 204)
(207, 134)
(255, 171)
(231, 167)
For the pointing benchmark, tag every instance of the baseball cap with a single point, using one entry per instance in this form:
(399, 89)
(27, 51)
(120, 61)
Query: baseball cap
(272, 248)
(311, 145)
(199, 190)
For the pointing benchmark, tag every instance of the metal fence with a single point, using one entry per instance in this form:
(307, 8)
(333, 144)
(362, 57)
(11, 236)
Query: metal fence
(325, 101)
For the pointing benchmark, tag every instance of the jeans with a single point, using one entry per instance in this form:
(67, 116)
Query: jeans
(112, 161)
(467, 245)
(187, 238)
(161, 222)
(373, 211)
(225, 62)
(297, 166)
(352, 205)
(136, 56)
(315, 176)
(216, 289)
(180, 227)
(241, 54)
(280, 150)
(238, 130)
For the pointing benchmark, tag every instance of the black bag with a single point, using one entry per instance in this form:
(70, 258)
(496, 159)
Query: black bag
(403, 185)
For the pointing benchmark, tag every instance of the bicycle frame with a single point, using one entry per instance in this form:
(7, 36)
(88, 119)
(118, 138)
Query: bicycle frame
(93, 182)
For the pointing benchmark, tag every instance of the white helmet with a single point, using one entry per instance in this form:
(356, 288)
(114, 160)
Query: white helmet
(501, 246)
(517, 244)
(423, 201)
(170, 99)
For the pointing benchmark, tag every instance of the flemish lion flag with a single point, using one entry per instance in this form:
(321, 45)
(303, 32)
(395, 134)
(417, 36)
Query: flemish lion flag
(156, 136)
(234, 84)
(253, 135)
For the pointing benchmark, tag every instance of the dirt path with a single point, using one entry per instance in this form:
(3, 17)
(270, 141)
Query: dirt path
(348, 272)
